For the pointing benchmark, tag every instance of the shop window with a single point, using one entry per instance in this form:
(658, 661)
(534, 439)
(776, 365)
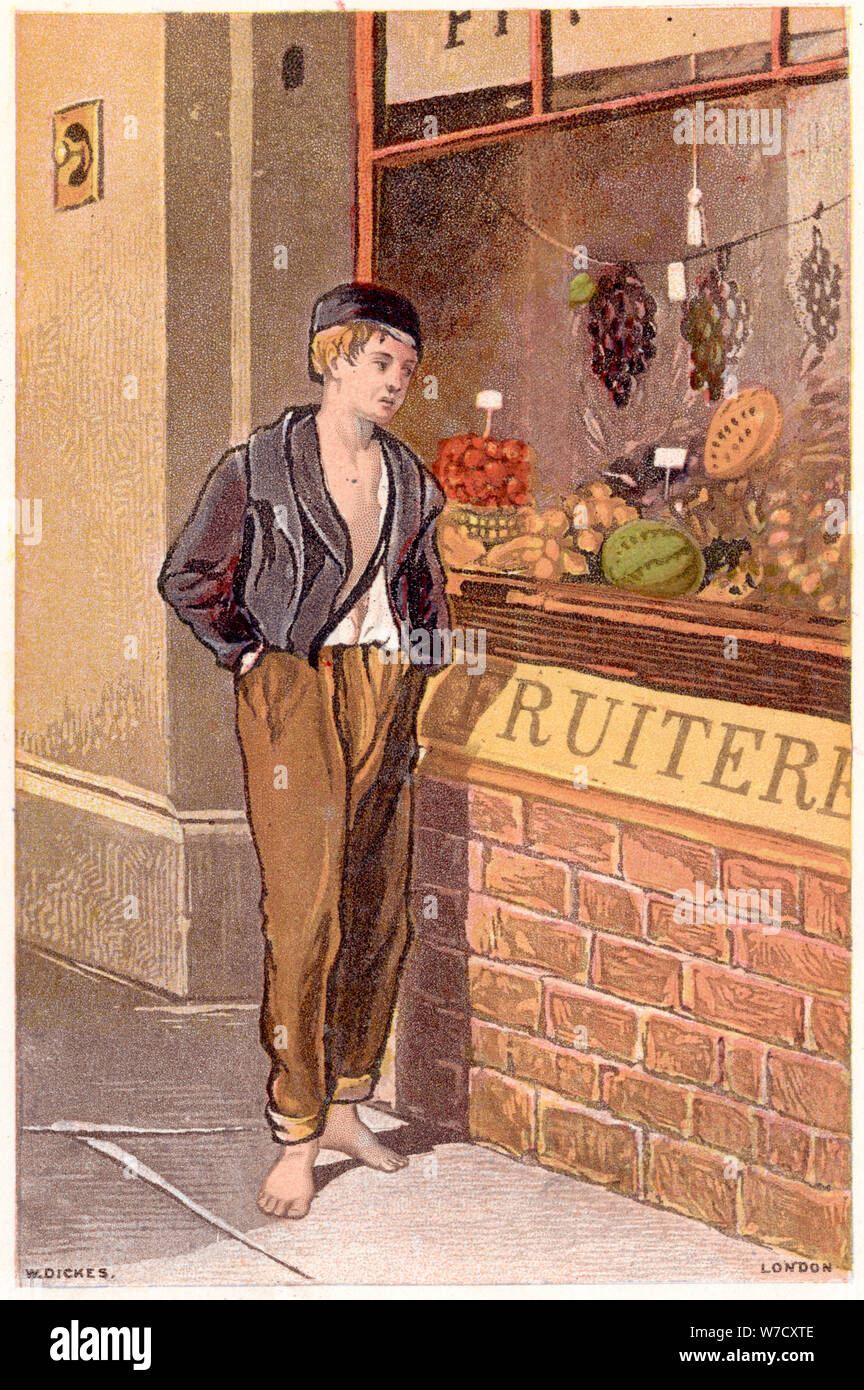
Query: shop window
(447, 70)
(599, 54)
(814, 33)
(766, 530)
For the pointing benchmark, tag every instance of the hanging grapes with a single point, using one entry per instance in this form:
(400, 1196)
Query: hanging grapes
(818, 303)
(716, 323)
(621, 323)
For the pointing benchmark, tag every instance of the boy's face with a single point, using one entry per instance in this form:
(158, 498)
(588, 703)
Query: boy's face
(376, 382)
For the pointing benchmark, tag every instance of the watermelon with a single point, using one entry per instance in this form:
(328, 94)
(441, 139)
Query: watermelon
(652, 558)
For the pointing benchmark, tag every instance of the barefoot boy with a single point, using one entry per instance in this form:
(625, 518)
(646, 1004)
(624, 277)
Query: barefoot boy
(308, 549)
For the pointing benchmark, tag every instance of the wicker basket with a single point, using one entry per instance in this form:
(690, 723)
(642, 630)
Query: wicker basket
(488, 524)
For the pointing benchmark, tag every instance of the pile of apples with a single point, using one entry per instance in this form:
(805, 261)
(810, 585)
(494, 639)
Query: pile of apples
(485, 472)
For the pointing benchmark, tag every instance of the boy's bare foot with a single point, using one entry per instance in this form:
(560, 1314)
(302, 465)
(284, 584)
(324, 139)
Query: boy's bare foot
(346, 1132)
(288, 1188)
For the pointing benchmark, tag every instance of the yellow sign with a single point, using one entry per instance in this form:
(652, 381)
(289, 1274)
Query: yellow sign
(596, 39)
(441, 52)
(785, 772)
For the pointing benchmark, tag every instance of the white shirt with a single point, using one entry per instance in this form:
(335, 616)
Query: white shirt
(371, 619)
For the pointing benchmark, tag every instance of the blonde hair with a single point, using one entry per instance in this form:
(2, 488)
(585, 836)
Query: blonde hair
(343, 340)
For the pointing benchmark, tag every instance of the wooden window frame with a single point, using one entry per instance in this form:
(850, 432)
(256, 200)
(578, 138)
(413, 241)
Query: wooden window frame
(808, 665)
(369, 29)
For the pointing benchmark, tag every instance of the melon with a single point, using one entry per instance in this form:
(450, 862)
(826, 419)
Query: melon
(742, 433)
(652, 558)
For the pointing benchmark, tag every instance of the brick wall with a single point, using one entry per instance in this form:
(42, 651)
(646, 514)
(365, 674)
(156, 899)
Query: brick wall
(555, 1009)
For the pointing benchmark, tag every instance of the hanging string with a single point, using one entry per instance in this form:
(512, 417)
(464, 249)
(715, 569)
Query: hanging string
(696, 235)
(695, 255)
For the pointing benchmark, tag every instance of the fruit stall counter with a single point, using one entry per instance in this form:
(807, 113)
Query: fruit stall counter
(756, 513)
(631, 866)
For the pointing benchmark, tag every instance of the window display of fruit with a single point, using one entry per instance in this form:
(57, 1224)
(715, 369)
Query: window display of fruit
(594, 511)
(716, 324)
(730, 583)
(485, 472)
(806, 560)
(654, 559)
(764, 523)
(621, 324)
(803, 496)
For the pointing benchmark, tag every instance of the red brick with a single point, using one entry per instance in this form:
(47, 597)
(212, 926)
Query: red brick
(593, 1146)
(534, 1059)
(782, 1144)
(537, 883)
(748, 1005)
(439, 914)
(583, 1019)
(565, 834)
(557, 1069)
(741, 873)
(676, 1048)
(827, 907)
(432, 1047)
(488, 1045)
(698, 938)
(438, 972)
(832, 1161)
(501, 1111)
(476, 865)
(692, 1180)
(610, 906)
(441, 805)
(810, 1090)
(658, 1104)
(744, 1068)
(829, 1028)
(724, 1124)
(792, 958)
(790, 1215)
(636, 972)
(665, 863)
(440, 860)
(497, 815)
(493, 929)
(505, 994)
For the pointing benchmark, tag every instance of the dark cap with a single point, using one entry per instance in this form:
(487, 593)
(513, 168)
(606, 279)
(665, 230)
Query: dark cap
(348, 303)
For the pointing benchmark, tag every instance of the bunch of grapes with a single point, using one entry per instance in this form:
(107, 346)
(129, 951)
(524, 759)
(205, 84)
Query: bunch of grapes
(818, 287)
(716, 324)
(621, 322)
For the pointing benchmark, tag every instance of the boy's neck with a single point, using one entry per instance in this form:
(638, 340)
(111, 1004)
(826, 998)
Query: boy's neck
(343, 425)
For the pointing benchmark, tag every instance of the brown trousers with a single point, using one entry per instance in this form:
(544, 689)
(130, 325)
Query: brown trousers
(328, 754)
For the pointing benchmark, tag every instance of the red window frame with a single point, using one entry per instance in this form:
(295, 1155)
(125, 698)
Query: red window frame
(370, 159)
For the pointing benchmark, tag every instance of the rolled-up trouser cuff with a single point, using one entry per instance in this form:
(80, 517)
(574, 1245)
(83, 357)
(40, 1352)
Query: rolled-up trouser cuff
(353, 1088)
(286, 1129)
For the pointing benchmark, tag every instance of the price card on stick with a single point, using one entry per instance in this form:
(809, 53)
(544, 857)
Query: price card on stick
(670, 461)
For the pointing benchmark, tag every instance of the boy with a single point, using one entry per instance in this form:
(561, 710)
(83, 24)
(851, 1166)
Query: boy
(306, 552)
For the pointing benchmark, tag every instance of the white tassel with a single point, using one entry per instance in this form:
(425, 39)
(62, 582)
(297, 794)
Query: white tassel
(695, 218)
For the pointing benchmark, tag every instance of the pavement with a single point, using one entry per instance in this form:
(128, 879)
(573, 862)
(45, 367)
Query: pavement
(98, 1052)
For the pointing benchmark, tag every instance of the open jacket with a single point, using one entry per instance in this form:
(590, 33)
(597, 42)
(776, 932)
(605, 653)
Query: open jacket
(265, 552)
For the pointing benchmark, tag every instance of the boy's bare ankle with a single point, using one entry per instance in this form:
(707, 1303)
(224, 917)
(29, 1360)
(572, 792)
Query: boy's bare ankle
(289, 1188)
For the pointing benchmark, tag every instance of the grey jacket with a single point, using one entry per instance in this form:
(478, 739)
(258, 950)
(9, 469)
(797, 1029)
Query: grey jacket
(265, 552)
